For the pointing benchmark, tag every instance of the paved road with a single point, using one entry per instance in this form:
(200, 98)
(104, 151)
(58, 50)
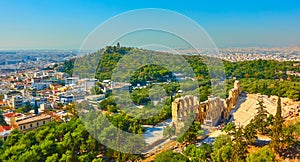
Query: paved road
(166, 146)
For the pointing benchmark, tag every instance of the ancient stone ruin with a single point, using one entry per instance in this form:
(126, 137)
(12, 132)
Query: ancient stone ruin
(182, 108)
(209, 112)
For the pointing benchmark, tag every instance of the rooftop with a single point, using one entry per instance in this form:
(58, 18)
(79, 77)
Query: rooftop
(4, 128)
(33, 119)
(3, 102)
(9, 115)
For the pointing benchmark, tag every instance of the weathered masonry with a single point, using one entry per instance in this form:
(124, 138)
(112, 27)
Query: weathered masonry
(209, 112)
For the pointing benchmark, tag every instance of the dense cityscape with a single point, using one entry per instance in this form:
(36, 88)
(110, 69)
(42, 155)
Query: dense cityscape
(149, 81)
(43, 91)
(247, 54)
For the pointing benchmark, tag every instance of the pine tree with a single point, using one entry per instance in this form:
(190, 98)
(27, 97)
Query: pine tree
(239, 151)
(250, 133)
(278, 118)
(277, 138)
(260, 121)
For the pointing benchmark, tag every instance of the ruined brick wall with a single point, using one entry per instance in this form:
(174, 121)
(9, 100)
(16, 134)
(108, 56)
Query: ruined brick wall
(208, 112)
(202, 111)
(181, 108)
(232, 98)
(214, 113)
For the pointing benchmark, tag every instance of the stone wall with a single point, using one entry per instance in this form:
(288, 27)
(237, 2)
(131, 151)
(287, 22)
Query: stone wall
(181, 108)
(232, 98)
(209, 112)
(216, 107)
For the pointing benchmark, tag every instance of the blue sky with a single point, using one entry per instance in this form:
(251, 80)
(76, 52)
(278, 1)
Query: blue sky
(66, 23)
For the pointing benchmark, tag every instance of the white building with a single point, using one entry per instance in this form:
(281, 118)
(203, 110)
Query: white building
(71, 81)
(65, 99)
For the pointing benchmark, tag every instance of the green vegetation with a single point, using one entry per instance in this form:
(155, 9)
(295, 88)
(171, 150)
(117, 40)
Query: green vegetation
(277, 135)
(200, 154)
(57, 142)
(262, 69)
(169, 132)
(233, 146)
(148, 115)
(74, 140)
(171, 157)
(192, 133)
(260, 120)
(222, 148)
(27, 107)
(263, 154)
(259, 76)
(95, 90)
(290, 89)
(36, 108)
(53, 142)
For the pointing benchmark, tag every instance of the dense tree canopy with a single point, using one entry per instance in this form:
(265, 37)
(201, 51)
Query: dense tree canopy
(171, 157)
(258, 76)
(53, 142)
(263, 154)
(72, 142)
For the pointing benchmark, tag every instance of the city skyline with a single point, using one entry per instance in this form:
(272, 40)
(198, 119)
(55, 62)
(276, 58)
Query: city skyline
(65, 24)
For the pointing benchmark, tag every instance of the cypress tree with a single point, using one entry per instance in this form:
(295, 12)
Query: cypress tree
(2, 121)
(27, 107)
(277, 138)
(36, 108)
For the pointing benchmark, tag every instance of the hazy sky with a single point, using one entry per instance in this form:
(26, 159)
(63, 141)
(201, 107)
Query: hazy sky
(66, 23)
